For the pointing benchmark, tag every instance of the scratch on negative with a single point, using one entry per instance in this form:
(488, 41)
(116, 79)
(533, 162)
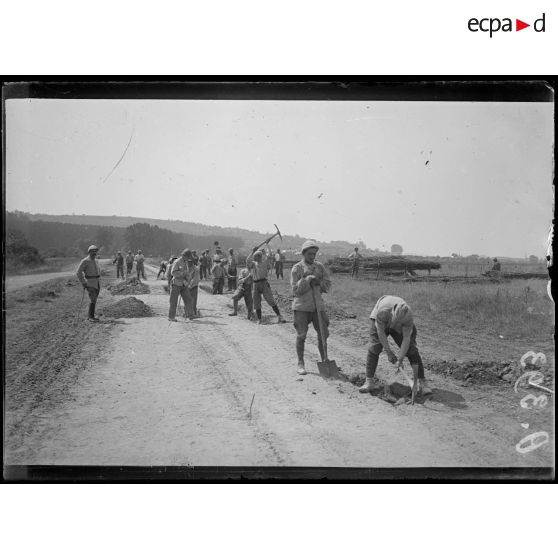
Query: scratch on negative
(121, 157)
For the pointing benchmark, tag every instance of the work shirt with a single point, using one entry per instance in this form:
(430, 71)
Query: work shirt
(88, 273)
(302, 290)
(119, 260)
(139, 258)
(232, 264)
(245, 279)
(181, 272)
(355, 256)
(277, 257)
(129, 259)
(218, 271)
(392, 312)
(168, 273)
(194, 272)
(258, 270)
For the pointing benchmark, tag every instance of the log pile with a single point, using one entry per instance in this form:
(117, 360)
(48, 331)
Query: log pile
(383, 263)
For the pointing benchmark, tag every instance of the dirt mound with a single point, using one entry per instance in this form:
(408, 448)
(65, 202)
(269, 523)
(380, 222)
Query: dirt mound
(131, 286)
(130, 307)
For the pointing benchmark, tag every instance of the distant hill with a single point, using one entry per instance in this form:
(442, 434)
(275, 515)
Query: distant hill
(250, 238)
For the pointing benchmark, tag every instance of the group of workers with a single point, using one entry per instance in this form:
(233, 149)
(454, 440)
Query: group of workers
(390, 317)
(129, 260)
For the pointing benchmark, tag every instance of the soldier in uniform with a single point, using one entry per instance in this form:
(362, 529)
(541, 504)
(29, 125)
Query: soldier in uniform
(129, 263)
(257, 263)
(309, 279)
(356, 257)
(181, 274)
(140, 270)
(89, 275)
(119, 261)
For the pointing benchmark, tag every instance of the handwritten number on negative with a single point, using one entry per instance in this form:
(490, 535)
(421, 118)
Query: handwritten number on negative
(529, 443)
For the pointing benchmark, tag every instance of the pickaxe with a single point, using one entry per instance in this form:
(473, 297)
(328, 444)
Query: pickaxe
(278, 233)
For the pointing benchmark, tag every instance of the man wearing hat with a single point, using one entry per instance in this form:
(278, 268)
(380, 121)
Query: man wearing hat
(306, 276)
(257, 264)
(119, 261)
(218, 271)
(89, 275)
(139, 259)
(129, 263)
(181, 275)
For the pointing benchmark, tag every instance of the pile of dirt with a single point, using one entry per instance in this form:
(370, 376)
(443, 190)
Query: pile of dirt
(129, 287)
(129, 307)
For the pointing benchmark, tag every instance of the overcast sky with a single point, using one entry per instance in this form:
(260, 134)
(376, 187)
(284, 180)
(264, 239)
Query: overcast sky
(434, 177)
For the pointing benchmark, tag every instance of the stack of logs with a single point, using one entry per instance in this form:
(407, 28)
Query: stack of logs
(384, 264)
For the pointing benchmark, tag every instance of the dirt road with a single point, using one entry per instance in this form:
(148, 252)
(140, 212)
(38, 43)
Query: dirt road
(221, 390)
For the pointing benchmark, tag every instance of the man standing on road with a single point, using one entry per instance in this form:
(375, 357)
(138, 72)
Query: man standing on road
(392, 316)
(257, 263)
(218, 271)
(139, 259)
(162, 269)
(129, 263)
(309, 279)
(194, 273)
(244, 290)
(89, 275)
(232, 271)
(119, 261)
(279, 258)
(168, 274)
(356, 257)
(179, 285)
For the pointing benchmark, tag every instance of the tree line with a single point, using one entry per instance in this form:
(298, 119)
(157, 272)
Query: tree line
(53, 239)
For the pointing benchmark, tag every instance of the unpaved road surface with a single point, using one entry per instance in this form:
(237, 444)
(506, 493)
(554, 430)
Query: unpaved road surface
(223, 391)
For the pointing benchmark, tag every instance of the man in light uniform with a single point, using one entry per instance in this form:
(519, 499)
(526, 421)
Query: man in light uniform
(392, 316)
(119, 261)
(258, 265)
(179, 284)
(244, 290)
(139, 259)
(279, 258)
(356, 257)
(232, 270)
(193, 283)
(308, 275)
(89, 275)
(129, 263)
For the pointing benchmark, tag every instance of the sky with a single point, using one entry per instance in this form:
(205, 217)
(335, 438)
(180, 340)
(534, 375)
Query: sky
(436, 178)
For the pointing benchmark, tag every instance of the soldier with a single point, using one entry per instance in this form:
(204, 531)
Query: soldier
(497, 265)
(168, 275)
(257, 263)
(218, 271)
(129, 263)
(244, 290)
(194, 272)
(119, 261)
(356, 257)
(232, 263)
(181, 275)
(279, 259)
(392, 316)
(162, 269)
(139, 259)
(89, 275)
(309, 279)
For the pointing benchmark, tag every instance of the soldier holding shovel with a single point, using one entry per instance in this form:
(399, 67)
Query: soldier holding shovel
(309, 279)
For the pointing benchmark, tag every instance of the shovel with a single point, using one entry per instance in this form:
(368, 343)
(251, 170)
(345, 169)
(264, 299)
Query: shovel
(327, 368)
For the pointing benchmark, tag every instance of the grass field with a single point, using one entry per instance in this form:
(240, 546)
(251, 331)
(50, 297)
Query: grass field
(483, 325)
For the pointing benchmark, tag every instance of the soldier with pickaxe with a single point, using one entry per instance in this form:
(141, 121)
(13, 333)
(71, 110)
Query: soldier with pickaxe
(257, 264)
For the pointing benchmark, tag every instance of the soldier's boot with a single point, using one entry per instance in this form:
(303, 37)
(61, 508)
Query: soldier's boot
(235, 308)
